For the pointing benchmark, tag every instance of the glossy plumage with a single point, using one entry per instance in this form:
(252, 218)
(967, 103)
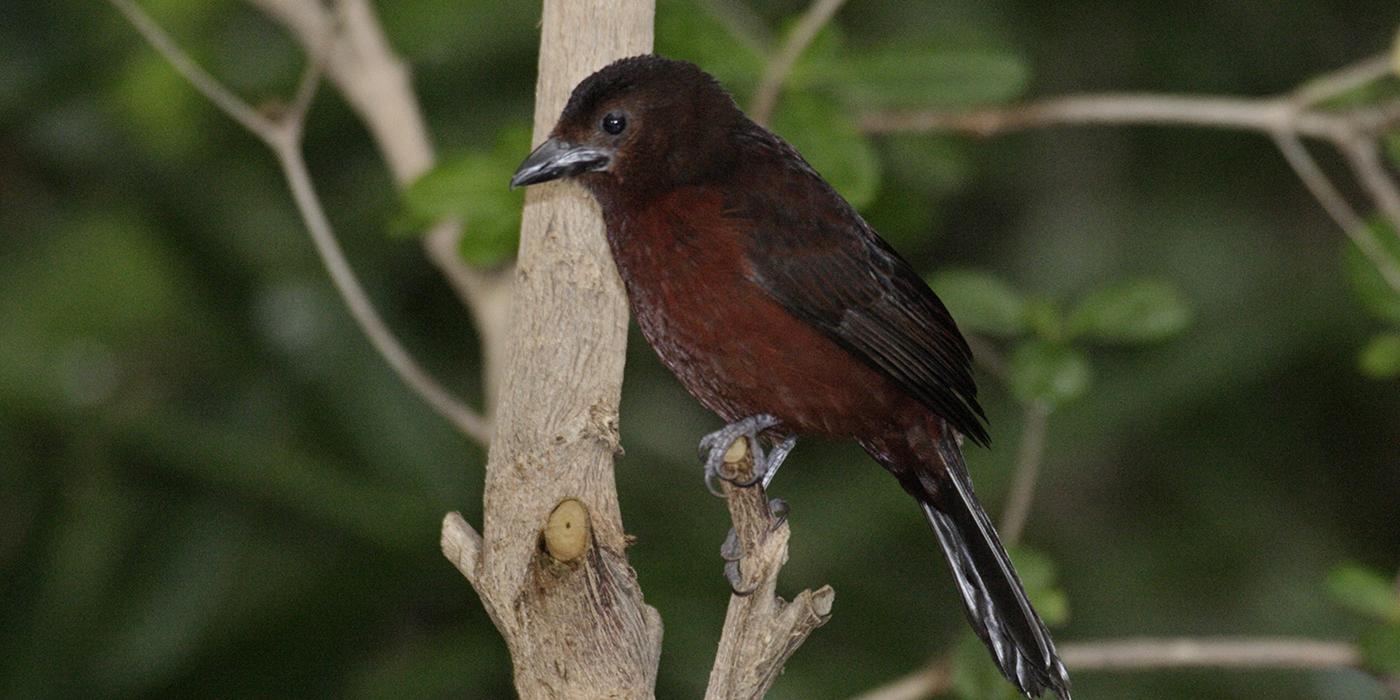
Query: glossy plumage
(765, 292)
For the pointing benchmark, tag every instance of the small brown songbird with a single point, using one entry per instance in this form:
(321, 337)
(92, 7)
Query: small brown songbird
(780, 309)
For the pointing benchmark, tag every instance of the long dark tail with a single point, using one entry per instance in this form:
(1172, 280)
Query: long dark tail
(993, 597)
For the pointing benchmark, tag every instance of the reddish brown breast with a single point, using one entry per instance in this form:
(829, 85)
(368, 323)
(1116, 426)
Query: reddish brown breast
(730, 344)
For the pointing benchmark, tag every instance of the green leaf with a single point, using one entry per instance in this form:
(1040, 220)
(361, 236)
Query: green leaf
(828, 139)
(909, 74)
(1048, 372)
(1380, 359)
(981, 302)
(1367, 283)
(1364, 592)
(1045, 319)
(1138, 311)
(1380, 649)
(474, 186)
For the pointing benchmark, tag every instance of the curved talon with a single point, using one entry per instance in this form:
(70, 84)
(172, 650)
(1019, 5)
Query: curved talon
(731, 550)
(779, 509)
(712, 482)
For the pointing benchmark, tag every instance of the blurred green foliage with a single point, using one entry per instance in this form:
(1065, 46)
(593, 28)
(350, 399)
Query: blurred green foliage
(211, 486)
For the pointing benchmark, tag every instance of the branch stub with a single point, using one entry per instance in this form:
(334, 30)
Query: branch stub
(567, 531)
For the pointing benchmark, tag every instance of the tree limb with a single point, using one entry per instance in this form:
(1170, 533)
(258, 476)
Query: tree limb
(1153, 654)
(378, 86)
(776, 73)
(572, 615)
(283, 136)
(1028, 458)
(761, 630)
(1286, 118)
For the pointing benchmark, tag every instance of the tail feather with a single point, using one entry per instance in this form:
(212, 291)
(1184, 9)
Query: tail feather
(932, 470)
(993, 597)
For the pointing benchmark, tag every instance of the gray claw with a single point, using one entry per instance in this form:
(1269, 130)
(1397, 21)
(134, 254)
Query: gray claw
(730, 550)
(713, 446)
(779, 508)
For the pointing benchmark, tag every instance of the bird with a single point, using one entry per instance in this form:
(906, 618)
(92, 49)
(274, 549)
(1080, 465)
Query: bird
(783, 312)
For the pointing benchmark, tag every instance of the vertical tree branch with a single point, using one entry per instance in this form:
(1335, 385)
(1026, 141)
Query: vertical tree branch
(1028, 458)
(576, 625)
(808, 26)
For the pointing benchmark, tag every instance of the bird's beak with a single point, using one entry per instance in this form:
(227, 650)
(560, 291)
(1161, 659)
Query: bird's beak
(555, 159)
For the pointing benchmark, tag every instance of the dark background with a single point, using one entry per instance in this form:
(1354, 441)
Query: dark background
(211, 486)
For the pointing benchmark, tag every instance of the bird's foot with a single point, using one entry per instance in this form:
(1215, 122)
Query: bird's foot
(714, 446)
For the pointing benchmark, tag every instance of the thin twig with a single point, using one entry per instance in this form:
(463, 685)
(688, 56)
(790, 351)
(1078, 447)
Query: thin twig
(283, 136)
(1152, 654)
(1264, 115)
(1149, 654)
(1285, 118)
(932, 679)
(383, 340)
(808, 26)
(376, 84)
(1364, 156)
(1028, 458)
(201, 80)
(1342, 80)
(1337, 206)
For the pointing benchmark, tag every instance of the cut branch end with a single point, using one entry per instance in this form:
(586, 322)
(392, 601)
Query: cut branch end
(567, 531)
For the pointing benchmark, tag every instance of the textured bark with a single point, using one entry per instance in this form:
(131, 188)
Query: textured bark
(761, 630)
(577, 628)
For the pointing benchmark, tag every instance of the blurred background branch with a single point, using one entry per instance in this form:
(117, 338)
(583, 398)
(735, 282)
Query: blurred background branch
(1151, 654)
(765, 98)
(283, 134)
(1352, 130)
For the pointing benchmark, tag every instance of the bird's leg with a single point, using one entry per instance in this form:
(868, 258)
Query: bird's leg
(714, 445)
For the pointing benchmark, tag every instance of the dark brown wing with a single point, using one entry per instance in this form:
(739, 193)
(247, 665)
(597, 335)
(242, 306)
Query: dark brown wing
(814, 254)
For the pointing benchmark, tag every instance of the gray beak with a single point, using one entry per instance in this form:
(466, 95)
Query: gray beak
(555, 159)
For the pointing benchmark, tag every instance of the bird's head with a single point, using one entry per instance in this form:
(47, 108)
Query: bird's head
(642, 123)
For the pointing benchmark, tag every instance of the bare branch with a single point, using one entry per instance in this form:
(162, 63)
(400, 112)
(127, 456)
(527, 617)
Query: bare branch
(461, 545)
(1286, 119)
(294, 167)
(1337, 206)
(207, 85)
(808, 26)
(1364, 156)
(761, 630)
(1262, 115)
(348, 38)
(1342, 80)
(932, 679)
(1028, 458)
(1153, 654)
(283, 136)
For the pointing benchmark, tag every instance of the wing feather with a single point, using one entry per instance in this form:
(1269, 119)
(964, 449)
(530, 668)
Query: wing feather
(818, 258)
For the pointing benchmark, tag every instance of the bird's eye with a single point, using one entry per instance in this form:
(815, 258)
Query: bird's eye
(614, 123)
